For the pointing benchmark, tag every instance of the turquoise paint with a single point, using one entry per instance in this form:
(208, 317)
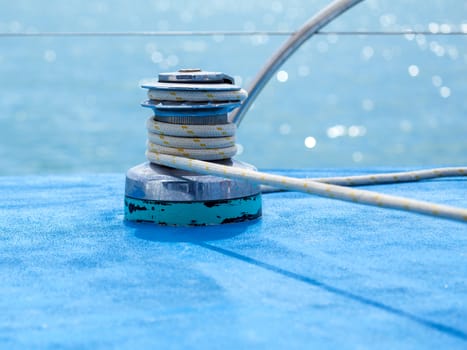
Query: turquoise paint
(193, 213)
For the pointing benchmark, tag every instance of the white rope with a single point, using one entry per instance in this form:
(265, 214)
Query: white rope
(217, 130)
(388, 178)
(406, 176)
(204, 142)
(378, 179)
(191, 142)
(197, 95)
(312, 187)
(202, 154)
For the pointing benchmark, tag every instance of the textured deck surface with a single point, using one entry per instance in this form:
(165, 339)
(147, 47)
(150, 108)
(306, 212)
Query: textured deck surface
(311, 272)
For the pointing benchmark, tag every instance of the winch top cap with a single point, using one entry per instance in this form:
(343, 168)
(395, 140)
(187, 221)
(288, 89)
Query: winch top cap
(195, 75)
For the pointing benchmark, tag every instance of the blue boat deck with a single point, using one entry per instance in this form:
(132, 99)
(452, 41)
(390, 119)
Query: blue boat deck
(312, 272)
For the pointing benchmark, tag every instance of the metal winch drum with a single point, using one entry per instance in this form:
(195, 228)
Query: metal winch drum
(191, 120)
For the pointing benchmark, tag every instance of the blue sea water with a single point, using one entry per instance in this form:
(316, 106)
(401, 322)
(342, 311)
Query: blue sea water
(71, 104)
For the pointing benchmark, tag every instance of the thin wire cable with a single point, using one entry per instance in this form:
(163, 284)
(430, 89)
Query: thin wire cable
(312, 187)
(224, 33)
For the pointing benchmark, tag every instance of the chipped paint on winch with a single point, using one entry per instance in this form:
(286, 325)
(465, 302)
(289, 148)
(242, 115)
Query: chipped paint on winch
(196, 213)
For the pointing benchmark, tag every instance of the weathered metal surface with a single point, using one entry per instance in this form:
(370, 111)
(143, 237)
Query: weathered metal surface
(156, 182)
(193, 213)
(197, 75)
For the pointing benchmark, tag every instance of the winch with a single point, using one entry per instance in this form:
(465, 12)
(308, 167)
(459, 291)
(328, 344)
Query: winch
(191, 119)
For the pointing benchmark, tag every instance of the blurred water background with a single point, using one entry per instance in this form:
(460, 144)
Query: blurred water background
(71, 104)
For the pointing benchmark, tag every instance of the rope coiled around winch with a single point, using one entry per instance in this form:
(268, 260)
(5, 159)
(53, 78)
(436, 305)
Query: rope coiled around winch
(197, 95)
(203, 140)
